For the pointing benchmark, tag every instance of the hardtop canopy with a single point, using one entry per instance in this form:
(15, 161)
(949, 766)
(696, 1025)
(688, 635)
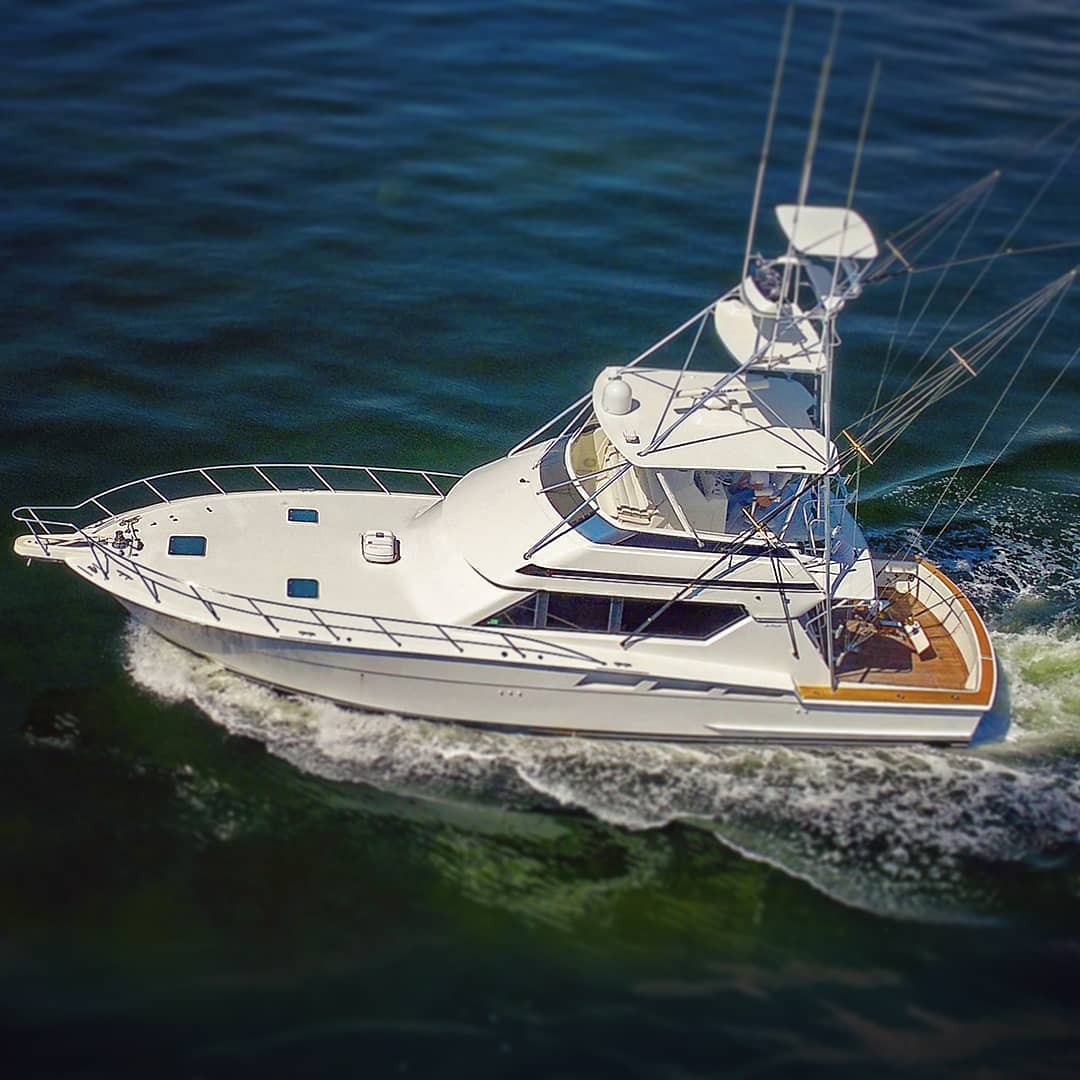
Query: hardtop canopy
(827, 232)
(755, 423)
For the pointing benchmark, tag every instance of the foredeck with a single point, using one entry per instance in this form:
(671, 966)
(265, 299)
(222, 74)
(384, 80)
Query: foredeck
(890, 660)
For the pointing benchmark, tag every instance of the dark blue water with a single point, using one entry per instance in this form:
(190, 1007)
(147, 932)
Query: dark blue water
(405, 234)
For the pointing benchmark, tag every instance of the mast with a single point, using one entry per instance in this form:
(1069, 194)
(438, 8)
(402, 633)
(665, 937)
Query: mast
(825, 490)
(825, 385)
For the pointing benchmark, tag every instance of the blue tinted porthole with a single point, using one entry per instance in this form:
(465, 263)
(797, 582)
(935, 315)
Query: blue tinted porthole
(304, 515)
(302, 588)
(187, 545)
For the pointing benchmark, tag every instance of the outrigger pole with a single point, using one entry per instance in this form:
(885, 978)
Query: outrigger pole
(766, 142)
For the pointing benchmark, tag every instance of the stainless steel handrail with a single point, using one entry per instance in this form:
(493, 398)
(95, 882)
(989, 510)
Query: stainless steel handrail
(270, 612)
(34, 516)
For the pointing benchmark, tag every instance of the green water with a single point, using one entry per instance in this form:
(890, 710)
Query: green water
(405, 234)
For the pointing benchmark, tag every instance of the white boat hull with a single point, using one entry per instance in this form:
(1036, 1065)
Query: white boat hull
(552, 700)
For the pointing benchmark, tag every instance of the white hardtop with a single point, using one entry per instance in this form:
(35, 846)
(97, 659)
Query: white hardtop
(827, 232)
(755, 422)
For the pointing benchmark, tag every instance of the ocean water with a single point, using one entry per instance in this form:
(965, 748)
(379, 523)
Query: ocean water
(405, 234)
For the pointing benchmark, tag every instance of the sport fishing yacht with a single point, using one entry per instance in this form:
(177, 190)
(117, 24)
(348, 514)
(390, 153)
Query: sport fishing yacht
(672, 557)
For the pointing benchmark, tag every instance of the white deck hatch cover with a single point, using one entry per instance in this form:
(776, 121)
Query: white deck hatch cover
(380, 547)
(827, 232)
(757, 423)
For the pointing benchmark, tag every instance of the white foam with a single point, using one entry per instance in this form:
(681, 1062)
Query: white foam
(894, 830)
(1043, 672)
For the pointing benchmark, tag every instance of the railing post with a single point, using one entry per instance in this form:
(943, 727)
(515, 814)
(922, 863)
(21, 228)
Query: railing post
(155, 491)
(327, 626)
(319, 476)
(374, 479)
(212, 482)
(442, 630)
(206, 603)
(259, 611)
(43, 544)
(151, 587)
(94, 545)
(385, 631)
(506, 638)
(258, 469)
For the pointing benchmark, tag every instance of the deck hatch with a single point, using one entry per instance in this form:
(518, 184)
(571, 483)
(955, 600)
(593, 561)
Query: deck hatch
(302, 588)
(187, 545)
(300, 514)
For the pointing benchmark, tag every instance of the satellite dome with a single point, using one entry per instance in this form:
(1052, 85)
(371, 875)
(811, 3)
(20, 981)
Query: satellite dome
(617, 397)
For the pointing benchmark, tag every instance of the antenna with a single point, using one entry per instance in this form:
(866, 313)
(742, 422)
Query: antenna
(766, 142)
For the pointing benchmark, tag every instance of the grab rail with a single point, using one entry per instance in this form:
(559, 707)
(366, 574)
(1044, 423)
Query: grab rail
(215, 480)
(337, 624)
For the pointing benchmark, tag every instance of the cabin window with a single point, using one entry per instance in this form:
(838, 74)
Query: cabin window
(302, 588)
(577, 611)
(187, 545)
(684, 619)
(523, 613)
(616, 615)
(304, 515)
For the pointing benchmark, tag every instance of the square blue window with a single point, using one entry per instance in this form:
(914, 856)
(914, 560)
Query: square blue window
(187, 545)
(303, 588)
(304, 515)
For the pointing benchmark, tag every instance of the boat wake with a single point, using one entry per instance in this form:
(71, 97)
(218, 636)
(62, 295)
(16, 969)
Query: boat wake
(920, 833)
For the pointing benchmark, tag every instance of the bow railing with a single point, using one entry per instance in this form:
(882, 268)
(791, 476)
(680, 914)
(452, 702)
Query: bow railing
(213, 480)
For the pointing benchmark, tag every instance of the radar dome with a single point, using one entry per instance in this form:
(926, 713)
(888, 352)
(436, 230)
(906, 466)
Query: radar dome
(617, 397)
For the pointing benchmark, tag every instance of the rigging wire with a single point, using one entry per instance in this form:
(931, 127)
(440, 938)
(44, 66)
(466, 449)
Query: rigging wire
(970, 354)
(1037, 249)
(1017, 225)
(1001, 453)
(903, 248)
(997, 404)
(979, 207)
